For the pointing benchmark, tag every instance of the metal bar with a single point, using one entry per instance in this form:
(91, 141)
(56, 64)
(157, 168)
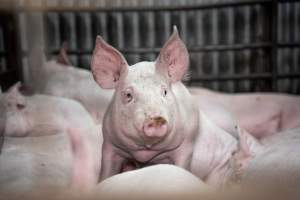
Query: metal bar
(235, 47)
(274, 39)
(288, 45)
(242, 77)
(231, 77)
(293, 75)
(147, 8)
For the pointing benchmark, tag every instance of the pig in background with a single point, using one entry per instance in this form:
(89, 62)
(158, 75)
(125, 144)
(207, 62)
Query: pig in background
(261, 114)
(39, 114)
(275, 159)
(30, 163)
(58, 78)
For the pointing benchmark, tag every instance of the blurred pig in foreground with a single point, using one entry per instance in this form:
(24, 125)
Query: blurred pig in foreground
(30, 163)
(261, 114)
(60, 79)
(40, 114)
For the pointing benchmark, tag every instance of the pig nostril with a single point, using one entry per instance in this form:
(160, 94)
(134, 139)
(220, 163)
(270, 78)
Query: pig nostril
(155, 127)
(159, 121)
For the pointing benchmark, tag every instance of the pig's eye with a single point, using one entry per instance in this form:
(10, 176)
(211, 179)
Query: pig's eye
(164, 91)
(127, 95)
(20, 106)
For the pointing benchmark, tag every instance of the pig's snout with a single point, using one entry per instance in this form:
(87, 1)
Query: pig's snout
(155, 127)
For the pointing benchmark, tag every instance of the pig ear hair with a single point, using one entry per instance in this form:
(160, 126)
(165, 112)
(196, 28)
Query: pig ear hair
(107, 64)
(14, 95)
(248, 144)
(15, 89)
(173, 58)
(63, 56)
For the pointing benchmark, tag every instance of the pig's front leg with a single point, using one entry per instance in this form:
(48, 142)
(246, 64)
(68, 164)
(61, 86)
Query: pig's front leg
(183, 155)
(111, 161)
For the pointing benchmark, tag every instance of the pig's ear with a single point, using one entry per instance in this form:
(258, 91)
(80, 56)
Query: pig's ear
(248, 144)
(173, 59)
(63, 56)
(14, 95)
(107, 64)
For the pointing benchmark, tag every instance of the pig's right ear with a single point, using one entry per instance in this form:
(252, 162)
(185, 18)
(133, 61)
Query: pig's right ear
(107, 64)
(248, 144)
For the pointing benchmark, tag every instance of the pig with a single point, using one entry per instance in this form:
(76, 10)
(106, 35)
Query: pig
(54, 78)
(273, 161)
(29, 163)
(152, 182)
(152, 118)
(261, 114)
(39, 114)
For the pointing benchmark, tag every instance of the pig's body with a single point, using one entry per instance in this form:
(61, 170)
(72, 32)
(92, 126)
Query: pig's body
(274, 161)
(56, 79)
(153, 119)
(261, 114)
(27, 163)
(39, 114)
(151, 182)
(175, 149)
(212, 153)
(218, 114)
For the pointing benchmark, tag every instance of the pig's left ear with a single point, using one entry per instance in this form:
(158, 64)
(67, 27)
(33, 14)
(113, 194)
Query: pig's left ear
(248, 144)
(14, 95)
(173, 59)
(107, 64)
(63, 56)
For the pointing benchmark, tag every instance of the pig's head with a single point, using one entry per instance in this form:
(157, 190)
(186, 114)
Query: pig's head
(12, 105)
(144, 110)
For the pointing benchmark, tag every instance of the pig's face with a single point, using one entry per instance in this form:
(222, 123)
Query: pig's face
(144, 106)
(12, 105)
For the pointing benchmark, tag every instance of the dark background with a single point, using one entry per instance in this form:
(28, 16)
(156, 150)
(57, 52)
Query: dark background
(235, 46)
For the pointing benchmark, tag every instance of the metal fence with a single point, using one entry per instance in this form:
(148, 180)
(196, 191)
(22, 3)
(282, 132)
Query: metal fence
(236, 46)
(10, 70)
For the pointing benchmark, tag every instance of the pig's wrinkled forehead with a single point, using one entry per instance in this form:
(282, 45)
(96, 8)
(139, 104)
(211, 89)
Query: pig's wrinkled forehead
(142, 73)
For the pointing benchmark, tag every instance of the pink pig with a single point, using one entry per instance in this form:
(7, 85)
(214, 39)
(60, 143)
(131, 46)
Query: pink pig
(153, 119)
(151, 116)
(261, 114)
(272, 161)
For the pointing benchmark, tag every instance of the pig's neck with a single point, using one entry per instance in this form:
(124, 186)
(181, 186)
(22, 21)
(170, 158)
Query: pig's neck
(213, 150)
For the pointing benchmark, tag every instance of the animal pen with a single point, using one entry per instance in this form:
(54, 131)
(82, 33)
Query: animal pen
(234, 45)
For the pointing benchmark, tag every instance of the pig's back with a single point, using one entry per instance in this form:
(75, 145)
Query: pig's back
(279, 165)
(30, 162)
(61, 112)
